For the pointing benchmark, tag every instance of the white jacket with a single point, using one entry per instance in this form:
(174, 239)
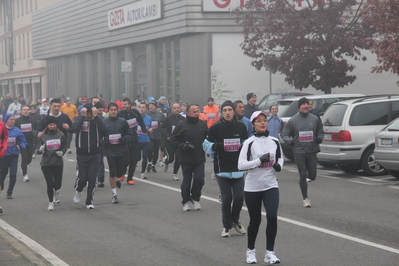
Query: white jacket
(260, 177)
(14, 109)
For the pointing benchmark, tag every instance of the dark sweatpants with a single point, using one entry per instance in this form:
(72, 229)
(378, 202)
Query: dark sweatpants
(26, 158)
(172, 154)
(9, 162)
(192, 173)
(87, 173)
(307, 168)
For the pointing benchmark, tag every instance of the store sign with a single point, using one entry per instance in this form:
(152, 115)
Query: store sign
(230, 5)
(136, 13)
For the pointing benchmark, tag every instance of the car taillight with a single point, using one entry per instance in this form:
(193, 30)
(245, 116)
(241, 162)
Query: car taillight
(343, 135)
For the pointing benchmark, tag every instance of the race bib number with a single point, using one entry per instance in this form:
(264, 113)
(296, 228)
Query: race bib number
(132, 122)
(305, 136)
(11, 141)
(154, 124)
(85, 126)
(173, 128)
(268, 164)
(26, 127)
(17, 115)
(114, 138)
(231, 145)
(139, 131)
(211, 116)
(53, 144)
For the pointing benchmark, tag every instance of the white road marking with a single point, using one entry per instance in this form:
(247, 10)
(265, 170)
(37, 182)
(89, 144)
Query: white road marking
(39, 249)
(395, 187)
(360, 182)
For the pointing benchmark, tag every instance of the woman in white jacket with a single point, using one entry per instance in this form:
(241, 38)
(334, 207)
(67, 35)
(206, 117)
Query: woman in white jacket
(262, 156)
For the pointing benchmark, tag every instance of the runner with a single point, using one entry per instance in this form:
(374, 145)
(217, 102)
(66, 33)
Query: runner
(155, 136)
(3, 148)
(144, 139)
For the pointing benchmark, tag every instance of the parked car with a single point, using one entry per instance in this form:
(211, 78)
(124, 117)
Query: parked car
(349, 132)
(386, 149)
(288, 107)
(272, 98)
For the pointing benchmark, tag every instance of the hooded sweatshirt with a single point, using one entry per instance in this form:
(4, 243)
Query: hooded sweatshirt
(15, 137)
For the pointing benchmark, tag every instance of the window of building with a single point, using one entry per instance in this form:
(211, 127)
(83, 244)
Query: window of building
(19, 46)
(26, 6)
(1, 53)
(28, 45)
(23, 45)
(22, 7)
(35, 4)
(31, 5)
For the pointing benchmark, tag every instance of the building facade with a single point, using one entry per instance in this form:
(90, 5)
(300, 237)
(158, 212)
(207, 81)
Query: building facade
(20, 74)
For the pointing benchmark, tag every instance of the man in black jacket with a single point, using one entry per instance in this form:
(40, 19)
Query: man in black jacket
(28, 127)
(168, 126)
(133, 118)
(89, 130)
(188, 136)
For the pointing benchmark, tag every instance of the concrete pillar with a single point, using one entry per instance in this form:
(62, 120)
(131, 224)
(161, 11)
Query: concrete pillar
(173, 69)
(114, 75)
(164, 70)
(151, 72)
(89, 75)
(129, 75)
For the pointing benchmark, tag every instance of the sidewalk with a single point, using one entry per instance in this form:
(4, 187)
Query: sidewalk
(13, 252)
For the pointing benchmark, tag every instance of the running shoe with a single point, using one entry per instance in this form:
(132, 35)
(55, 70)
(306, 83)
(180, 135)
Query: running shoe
(165, 167)
(306, 203)
(26, 178)
(143, 176)
(50, 206)
(186, 207)
(251, 256)
(271, 258)
(57, 196)
(153, 169)
(122, 178)
(69, 151)
(9, 196)
(220, 198)
(90, 206)
(130, 182)
(196, 205)
(239, 228)
(226, 232)
(114, 199)
(33, 156)
(118, 183)
(213, 176)
(308, 180)
(149, 167)
(175, 178)
(161, 164)
(76, 197)
(100, 184)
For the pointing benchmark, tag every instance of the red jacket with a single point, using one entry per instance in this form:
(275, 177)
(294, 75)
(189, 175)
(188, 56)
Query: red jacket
(3, 139)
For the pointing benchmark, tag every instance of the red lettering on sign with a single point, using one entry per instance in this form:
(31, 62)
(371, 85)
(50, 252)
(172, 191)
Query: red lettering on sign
(117, 17)
(223, 4)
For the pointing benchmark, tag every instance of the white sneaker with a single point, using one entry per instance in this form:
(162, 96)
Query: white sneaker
(89, 207)
(57, 196)
(308, 180)
(213, 176)
(196, 205)
(251, 256)
(50, 206)
(175, 178)
(76, 197)
(239, 228)
(164, 158)
(143, 176)
(306, 203)
(69, 151)
(114, 199)
(161, 164)
(186, 207)
(271, 258)
(26, 178)
(33, 156)
(226, 232)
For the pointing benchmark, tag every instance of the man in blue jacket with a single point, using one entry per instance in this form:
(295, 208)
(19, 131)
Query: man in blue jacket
(16, 142)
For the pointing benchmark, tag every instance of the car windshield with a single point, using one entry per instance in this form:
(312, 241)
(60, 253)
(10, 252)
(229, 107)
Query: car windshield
(287, 108)
(334, 115)
(394, 126)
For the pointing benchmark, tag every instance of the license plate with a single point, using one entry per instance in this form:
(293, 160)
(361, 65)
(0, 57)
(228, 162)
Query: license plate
(386, 142)
(327, 136)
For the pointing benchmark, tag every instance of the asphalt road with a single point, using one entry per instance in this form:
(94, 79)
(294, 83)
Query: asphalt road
(353, 221)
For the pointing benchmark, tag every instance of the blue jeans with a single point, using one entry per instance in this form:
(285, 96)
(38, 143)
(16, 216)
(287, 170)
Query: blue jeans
(9, 162)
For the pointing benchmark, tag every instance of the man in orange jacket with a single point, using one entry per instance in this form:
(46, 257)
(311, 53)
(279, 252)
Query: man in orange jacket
(211, 111)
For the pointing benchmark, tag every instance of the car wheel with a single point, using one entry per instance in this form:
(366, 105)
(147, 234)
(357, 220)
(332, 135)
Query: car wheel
(327, 165)
(369, 165)
(349, 168)
(393, 173)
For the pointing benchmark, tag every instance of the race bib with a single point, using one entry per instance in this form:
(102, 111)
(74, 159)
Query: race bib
(17, 115)
(268, 164)
(154, 124)
(114, 138)
(139, 131)
(53, 144)
(85, 126)
(132, 122)
(11, 141)
(211, 116)
(26, 127)
(231, 145)
(305, 136)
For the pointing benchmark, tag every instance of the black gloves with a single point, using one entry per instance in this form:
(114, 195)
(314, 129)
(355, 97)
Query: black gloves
(277, 167)
(265, 158)
(319, 140)
(187, 146)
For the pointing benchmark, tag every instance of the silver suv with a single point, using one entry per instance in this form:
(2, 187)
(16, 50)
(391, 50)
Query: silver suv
(349, 132)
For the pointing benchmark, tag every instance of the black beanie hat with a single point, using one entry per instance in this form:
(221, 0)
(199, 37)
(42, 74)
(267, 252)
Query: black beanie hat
(227, 103)
(88, 106)
(51, 119)
(302, 101)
